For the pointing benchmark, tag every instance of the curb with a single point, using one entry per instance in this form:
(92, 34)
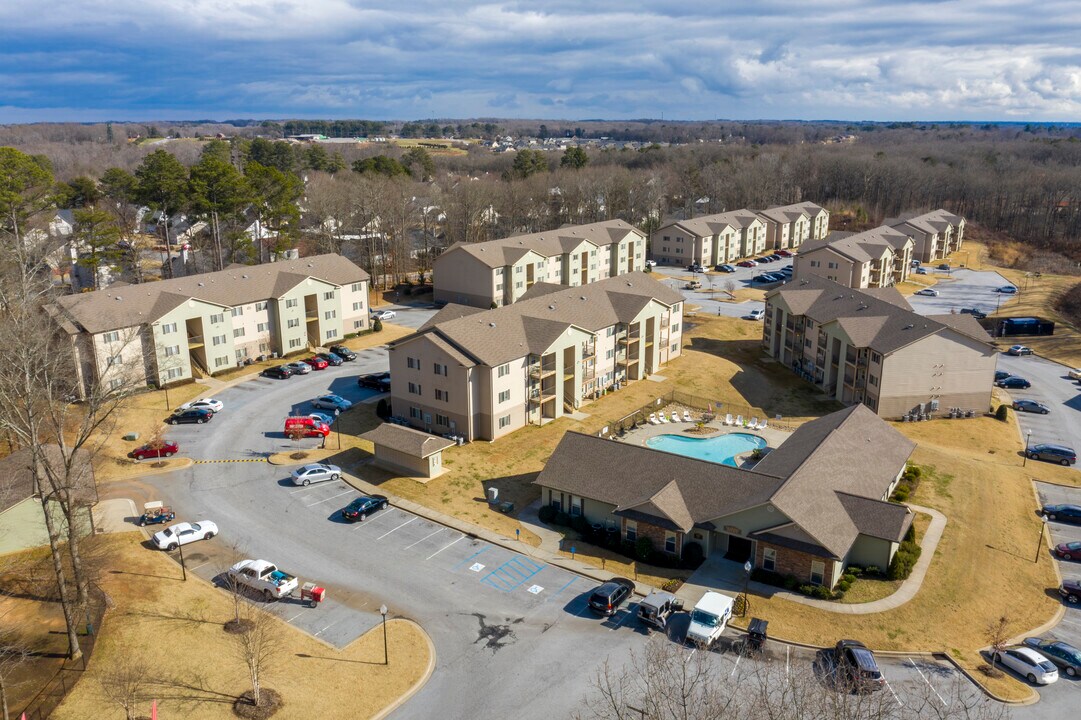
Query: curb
(420, 683)
(182, 464)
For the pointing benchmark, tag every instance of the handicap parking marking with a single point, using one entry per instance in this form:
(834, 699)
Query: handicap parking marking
(535, 589)
(560, 590)
(476, 567)
(512, 573)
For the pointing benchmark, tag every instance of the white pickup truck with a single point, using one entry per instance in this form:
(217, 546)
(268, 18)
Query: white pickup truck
(263, 577)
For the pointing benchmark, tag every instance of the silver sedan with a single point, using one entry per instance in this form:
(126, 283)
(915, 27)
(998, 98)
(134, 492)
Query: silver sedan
(315, 472)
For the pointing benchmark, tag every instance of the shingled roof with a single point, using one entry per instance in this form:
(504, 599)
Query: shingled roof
(133, 305)
(818, 479)
(407, 440)
(509, 250)
(884, 325)
(531, 325)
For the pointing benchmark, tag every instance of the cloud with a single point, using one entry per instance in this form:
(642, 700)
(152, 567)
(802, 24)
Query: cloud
(845, 59)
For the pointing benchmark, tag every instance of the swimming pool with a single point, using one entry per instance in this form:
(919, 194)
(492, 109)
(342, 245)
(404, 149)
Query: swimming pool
(721, 449)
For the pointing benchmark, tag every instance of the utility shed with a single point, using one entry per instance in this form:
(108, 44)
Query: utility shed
(402, 449)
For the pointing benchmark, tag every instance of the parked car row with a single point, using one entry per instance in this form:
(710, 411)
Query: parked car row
(336, 355)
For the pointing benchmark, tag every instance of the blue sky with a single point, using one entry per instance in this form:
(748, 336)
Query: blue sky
(88, 60)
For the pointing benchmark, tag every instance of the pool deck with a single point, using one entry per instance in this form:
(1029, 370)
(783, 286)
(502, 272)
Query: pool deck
(640, 435)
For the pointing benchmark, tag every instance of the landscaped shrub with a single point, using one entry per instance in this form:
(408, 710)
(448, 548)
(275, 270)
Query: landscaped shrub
(562, 518)
(546, 514)
(580, 525)
(626, 547)
(768, 577)
(1003, 413)
(643, 546)
(822, 592)
(844, 584)
(377, 325)
(910, 535)
(806, 589)
(904, 559)
(791, 582)
(382, 409)
(838, 594)
(901, 493)
(692, 554)
(872, 570)
(854, 570)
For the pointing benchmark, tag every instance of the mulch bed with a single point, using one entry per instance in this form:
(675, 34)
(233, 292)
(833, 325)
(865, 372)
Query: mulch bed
(270, 703)
(237, 627)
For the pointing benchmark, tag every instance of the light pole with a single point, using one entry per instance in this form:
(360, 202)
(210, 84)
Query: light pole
(1028, 442)
(183, 567)
(383, 612)
(1043, 530)
(747, 568)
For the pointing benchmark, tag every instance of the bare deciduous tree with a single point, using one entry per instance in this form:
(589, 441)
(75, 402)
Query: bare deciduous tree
(124, 682)
(13, 654)
(258, 647)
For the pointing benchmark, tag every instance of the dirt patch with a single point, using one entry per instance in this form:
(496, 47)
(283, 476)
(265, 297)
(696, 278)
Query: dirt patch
(270, 702)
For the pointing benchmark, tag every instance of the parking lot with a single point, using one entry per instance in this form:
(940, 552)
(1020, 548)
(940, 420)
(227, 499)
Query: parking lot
(962, 289)
(1052, 387)
(705, 300)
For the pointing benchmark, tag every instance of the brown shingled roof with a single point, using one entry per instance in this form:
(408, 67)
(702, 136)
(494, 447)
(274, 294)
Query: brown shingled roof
(509, 250)
(407, 440)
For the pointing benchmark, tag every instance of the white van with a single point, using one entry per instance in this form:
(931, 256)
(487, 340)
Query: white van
(709, 619)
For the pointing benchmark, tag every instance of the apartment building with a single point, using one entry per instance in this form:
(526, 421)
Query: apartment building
(877, 258)
(936, 234)
(868, 346)
(730, 236)
(174, 330)
(499, 272)
(484, 373)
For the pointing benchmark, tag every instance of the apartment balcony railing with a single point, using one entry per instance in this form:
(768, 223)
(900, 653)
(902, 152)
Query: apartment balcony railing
(589, 351)
(311, 315)
(539, 396)
(195, 340)
(539, 372)
(666, 321)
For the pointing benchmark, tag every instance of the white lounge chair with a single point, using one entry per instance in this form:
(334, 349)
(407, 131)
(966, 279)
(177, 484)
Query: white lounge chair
(739, 421)
(762, 425)
(686, 416)
(662, 417)
(728, 419)
(653, 418)
(675, 416)
(753, 423)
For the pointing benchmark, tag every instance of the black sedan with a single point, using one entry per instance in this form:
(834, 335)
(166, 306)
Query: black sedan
(1014, 382)
(1065, 513)
(194, 415)
(1031, 406)
(343, 352)
(278, 371)
(376, 381)
(1001, 375)
(331, 358)
(1066, 656)
(363, 506)
(1071, 591)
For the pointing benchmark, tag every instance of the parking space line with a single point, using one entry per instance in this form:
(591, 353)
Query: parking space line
(319, 502)
(388, 532)
(193, 569)
(460, 537)
(376, 519)
(418, 542)
(512, 573)
(940, 699)
(625, 618)
(890, 687)
(787, 659)
(485, 549)
(557, 592)
(290, 620)
(736, 666)
(325, 629)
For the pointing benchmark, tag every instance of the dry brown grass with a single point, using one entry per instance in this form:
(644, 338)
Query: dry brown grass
(621, 565)
(175, 628)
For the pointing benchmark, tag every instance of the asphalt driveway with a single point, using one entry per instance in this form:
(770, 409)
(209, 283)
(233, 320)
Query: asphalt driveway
(1052, 387)
(707, 303)
(963, 289)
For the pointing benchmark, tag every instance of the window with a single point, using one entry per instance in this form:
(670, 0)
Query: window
(330, 314)
(769, 559)
(675, 347)
(439, 369)
(328, 295)
(412, 363)
(173, 350)
(632, 531)
(503, 370)
(263, 347)
(114, 360)
(518, 269)
(357, 287)
(173, 373)
(609, 354)
(499, 287)
(296, 342)
(358, 306)
(815, 263)
(241, 354)
(519, 284)
(504, 396)
(576, 506)
(238, 332)
(238, 311)
(358, 324)
(873, 380)
(168, 328)
(442, 420)
(611, 331)
(414, 413)
(291, 303)
(675, 327)
(876, 358)
(504, 421)
(670, 542)
(329, 334)
(219, 361)
(442, 395)
(832, 266)
(115, 384)
(818, 572)
(262, 327)
(217, 319)
(666, 238)
(110, 337)
(292, 322)
(260, 306)
(414, 389)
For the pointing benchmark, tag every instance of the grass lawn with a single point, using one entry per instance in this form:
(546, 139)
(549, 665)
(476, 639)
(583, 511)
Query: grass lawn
(174, 630)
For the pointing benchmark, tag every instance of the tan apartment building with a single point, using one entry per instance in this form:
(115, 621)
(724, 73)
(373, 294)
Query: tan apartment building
(174, 330)
(936, 234)
(710, 239)
(810, 508)
(877, 258)
(869, 347)
(789, 226)
(499, 272)
(484, 373)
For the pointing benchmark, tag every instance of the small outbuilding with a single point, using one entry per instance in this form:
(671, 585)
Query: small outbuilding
(412, 452)
(22, 524)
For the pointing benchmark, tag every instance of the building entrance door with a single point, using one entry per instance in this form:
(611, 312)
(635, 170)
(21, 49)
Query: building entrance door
(739, 549)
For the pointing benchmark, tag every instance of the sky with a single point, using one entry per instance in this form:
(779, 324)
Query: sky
(94, 60)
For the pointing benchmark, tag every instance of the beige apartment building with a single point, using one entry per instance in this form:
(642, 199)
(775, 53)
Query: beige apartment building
(174, 330)
(499, 272)
(877, 258)
(936, 234)
(484, 373)
(731, 236)
(869, 347)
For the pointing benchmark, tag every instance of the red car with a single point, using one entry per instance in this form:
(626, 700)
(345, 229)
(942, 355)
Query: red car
(144, 452)
(784, 253)
(1069, 551)
(317, 363)
(747, 263)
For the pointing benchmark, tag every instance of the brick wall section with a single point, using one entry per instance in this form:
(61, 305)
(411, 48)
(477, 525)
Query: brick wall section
(794, 562)
(656, 534)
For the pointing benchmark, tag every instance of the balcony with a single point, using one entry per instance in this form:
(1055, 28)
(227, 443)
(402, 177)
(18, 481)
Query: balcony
(195, 341)
(590, 373)
(589, 351)
(630, 339)
(539, 372)
(666, 321)
(311, 315)
(539, 396)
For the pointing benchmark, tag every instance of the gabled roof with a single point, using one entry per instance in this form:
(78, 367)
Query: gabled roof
(863, 246)
(509, 250)
(932, 222)
(709, 225)
(819, 479)
(133, 305)
(883, 322)
(532, 324)
(407, 440)
(784, 213)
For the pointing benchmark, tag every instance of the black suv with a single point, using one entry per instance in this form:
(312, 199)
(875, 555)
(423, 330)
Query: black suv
(1070, 591)
(194, 415)
(1052, 453)
(856, 667)
(606, 599)
(978, 314)
(343, 352)
(376, 381)
(278, 371)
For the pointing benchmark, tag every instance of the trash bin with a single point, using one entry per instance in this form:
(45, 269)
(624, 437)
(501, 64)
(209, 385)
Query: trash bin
(493, 496)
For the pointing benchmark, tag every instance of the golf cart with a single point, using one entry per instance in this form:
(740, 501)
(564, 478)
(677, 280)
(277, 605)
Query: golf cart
(657, 607)
(155, 513)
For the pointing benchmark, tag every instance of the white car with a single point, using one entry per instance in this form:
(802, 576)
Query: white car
(1007, 290)
(299, 368)
(756, 314)
(651, 263)
(929, 292)
(1075, 374)
(183, 533)
(1029, 664)
(315, 472)
(204, 403)
(383, 315)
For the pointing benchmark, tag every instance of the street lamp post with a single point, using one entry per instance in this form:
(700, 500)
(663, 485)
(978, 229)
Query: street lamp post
(383, 612)
(1043, 529)
(1028, 442)
(747, 568)
(183, 567)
